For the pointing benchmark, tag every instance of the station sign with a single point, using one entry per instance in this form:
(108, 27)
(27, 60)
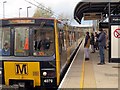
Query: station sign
(20, 21)
(92, 16)
(103, 25)
(115, 19)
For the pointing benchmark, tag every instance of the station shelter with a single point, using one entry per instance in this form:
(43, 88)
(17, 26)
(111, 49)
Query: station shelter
(107, 14)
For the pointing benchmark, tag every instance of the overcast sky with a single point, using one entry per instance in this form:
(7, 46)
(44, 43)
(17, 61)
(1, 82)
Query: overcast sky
(58, 6)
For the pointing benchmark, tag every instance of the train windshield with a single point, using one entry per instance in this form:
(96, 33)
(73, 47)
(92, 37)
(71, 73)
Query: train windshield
(21, 42)
(43, 41)
(24, 39)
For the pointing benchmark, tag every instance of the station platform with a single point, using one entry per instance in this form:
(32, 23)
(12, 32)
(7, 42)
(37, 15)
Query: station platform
(87, 74)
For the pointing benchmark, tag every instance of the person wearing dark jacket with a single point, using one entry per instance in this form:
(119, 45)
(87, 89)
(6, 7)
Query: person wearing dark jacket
(102, 44)
(86, 46)
(96, 41)
(92, 42)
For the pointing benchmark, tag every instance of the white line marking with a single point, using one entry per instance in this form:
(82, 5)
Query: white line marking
(69, 67)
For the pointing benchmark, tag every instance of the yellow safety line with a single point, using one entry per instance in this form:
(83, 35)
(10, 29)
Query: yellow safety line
(82, 75)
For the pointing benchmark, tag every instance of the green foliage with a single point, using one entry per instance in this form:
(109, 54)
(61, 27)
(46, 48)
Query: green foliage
(41, 12)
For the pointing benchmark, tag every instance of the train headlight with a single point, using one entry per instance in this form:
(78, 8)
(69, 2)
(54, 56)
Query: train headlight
(44, 73)
(0, 72)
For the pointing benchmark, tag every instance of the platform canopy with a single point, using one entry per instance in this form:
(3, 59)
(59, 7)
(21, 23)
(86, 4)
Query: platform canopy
(96, 9)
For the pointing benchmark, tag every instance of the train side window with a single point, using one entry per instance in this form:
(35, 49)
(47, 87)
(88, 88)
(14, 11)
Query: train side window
(21, 41)
(5, 44)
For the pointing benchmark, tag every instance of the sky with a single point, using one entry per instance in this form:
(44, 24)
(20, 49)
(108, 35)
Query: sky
(58, 6)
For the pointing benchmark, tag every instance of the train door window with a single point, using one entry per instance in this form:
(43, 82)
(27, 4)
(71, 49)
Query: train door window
(43, 41)
(21, 41)
(5, 41)
(74, 37)
(61, 36)
(0, 40)
(65, 40)
(70, 38)
(60, 40)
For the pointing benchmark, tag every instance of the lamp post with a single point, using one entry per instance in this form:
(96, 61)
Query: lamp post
(27, 10)
(4, 9)
(19, 12)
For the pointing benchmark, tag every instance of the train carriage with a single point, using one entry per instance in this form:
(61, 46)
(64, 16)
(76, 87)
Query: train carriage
(35, 51)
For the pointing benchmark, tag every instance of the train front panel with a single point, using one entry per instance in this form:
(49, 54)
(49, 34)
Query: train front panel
(33, 57)
(22, 73)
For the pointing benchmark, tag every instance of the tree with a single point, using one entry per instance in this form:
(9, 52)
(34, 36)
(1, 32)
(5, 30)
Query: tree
(65, 18)
(37, 13)
(43, 12)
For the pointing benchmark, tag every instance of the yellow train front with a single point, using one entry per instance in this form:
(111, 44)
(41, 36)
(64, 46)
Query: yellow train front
(36, 51)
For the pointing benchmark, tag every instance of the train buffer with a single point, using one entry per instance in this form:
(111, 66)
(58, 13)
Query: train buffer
(87, 74)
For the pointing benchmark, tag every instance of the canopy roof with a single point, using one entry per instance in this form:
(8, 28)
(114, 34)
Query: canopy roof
(96, 7)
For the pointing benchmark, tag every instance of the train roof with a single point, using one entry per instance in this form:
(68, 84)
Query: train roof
(27, 18)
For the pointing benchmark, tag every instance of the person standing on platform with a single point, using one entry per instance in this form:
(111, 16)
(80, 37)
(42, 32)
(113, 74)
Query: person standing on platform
(92, 42)
(96, 41)
(86, 46)
(102, 44)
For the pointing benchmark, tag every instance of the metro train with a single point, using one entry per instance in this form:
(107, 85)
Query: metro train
(35, 51)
